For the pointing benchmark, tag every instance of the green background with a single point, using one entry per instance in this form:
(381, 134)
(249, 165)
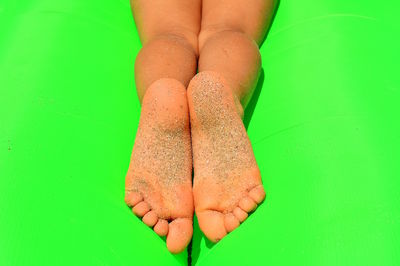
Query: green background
(325, 131)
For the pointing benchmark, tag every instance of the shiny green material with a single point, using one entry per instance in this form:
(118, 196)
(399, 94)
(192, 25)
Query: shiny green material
(325, 131)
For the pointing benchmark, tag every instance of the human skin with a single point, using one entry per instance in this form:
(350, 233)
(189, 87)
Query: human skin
(220, 39)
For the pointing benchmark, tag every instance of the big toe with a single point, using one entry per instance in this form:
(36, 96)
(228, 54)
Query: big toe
(133, 198)
(212, 223)
(257, 194)
(180, 233)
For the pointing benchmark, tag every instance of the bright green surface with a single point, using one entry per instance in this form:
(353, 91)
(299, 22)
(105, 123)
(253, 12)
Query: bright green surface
(68, 115)
(326, 134)
(325, 131)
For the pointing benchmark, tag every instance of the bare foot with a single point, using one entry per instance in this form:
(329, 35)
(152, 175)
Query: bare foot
(158, 182)
(227, 182)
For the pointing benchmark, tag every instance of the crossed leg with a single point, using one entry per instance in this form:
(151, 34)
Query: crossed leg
(227, 182)
(159, 180)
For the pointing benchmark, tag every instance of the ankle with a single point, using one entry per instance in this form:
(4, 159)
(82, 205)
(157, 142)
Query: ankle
(165, 102)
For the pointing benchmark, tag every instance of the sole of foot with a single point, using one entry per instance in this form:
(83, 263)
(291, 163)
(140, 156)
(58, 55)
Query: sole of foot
(227, 182)
(159, 180)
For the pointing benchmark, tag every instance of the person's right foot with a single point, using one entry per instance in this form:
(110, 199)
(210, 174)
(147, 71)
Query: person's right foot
(159, 180)
(227, 183)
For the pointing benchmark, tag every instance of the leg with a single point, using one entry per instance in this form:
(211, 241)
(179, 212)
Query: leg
(158, 182)
(231, 32)
(227, 182)
(168, 31)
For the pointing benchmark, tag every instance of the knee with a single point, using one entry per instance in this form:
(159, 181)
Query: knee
(234, 44)
(165, 55)
(226, 35)
(183, 39)
(235, 55)
(168, 48)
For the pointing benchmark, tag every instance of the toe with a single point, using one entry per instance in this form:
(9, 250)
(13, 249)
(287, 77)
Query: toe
(133, 198)
(179, 234)
(161, 227)
(247, 204)
(150, 218)
(257, 194)
(231, 222)
(212, 224)
(141, 209)
(240, 214)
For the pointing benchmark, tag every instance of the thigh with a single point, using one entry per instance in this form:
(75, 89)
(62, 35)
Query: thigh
(158, 17)
(248, 16)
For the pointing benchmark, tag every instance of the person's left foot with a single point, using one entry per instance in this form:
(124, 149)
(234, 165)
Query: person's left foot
(159, 180)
